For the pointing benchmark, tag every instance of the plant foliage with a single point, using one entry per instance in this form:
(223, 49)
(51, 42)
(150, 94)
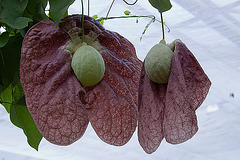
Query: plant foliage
(16, 17)
(161, 5)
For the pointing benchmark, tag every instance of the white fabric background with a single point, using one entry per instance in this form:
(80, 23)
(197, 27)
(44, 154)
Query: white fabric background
(211, 30)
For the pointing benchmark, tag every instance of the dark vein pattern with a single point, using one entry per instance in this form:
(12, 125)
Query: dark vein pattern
(168, 111)
(60, 107)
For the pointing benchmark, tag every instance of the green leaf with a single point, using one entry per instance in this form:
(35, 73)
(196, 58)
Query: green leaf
(12, 13)
(0, 7)
(10, 61)
(161, 5)
(13, 94)
(18, 94)
(20, 22)
(95, 16)
(58, 9)
(13, 100)
(36, 10)
(4, 39)
(6, 98)
(101, 22)
(21, 118)
(11, 31)
(127, 12)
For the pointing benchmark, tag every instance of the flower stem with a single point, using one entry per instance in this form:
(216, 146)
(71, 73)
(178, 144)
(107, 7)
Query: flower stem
(162, 25)
(82, 21)
(133, 16)
(88, 7)
(110, 8)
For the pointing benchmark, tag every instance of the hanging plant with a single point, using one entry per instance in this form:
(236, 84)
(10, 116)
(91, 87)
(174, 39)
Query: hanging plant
(58, 72)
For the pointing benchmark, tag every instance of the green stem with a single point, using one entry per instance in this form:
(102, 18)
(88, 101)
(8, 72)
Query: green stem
(88, 7)
(2, 57)
(82, 21)
(133, 16)
(110, 8)
(162, 25)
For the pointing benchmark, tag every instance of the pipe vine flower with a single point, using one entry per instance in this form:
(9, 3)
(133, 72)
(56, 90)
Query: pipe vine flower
(168, 110)
(59, 105)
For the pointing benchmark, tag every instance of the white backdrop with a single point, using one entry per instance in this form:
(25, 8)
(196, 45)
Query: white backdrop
(211, 30)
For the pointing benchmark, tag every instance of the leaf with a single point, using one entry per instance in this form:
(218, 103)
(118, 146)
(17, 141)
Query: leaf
(101, 22)
(58, 9)
(13, 94)
(9, 60)
(11, 31)
(21, 118)
(127, 12)
(20, 23)
(14, 101)
(161, 5)
(36, 9)
(12, 13)
(95, 16)
(6, 98)
(0, 7)
(18, 93)
(4, 39)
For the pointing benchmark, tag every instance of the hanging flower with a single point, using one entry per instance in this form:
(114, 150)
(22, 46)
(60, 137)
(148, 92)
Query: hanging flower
(59, 105)
(168, 110)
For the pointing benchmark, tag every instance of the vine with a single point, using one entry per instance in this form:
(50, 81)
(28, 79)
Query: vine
(110, 8)
(88, 7)
(123, 1)
(152, 17)
(11, 93)
(130, 3)
(82, 21)
(162, 25)
(162, 6)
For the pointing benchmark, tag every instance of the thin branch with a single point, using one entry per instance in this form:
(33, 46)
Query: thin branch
(162, 25)
(132, 16)
(82, 21)
(88, 7)
(145, 29)
(110, 8)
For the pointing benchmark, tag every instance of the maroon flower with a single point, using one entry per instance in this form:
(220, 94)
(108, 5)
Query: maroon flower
(168, 110)
(59, 105)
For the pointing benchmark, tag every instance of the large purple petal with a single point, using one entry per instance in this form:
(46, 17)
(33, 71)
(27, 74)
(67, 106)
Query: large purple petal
(151, 109)
(188, 86)
(51, 89)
